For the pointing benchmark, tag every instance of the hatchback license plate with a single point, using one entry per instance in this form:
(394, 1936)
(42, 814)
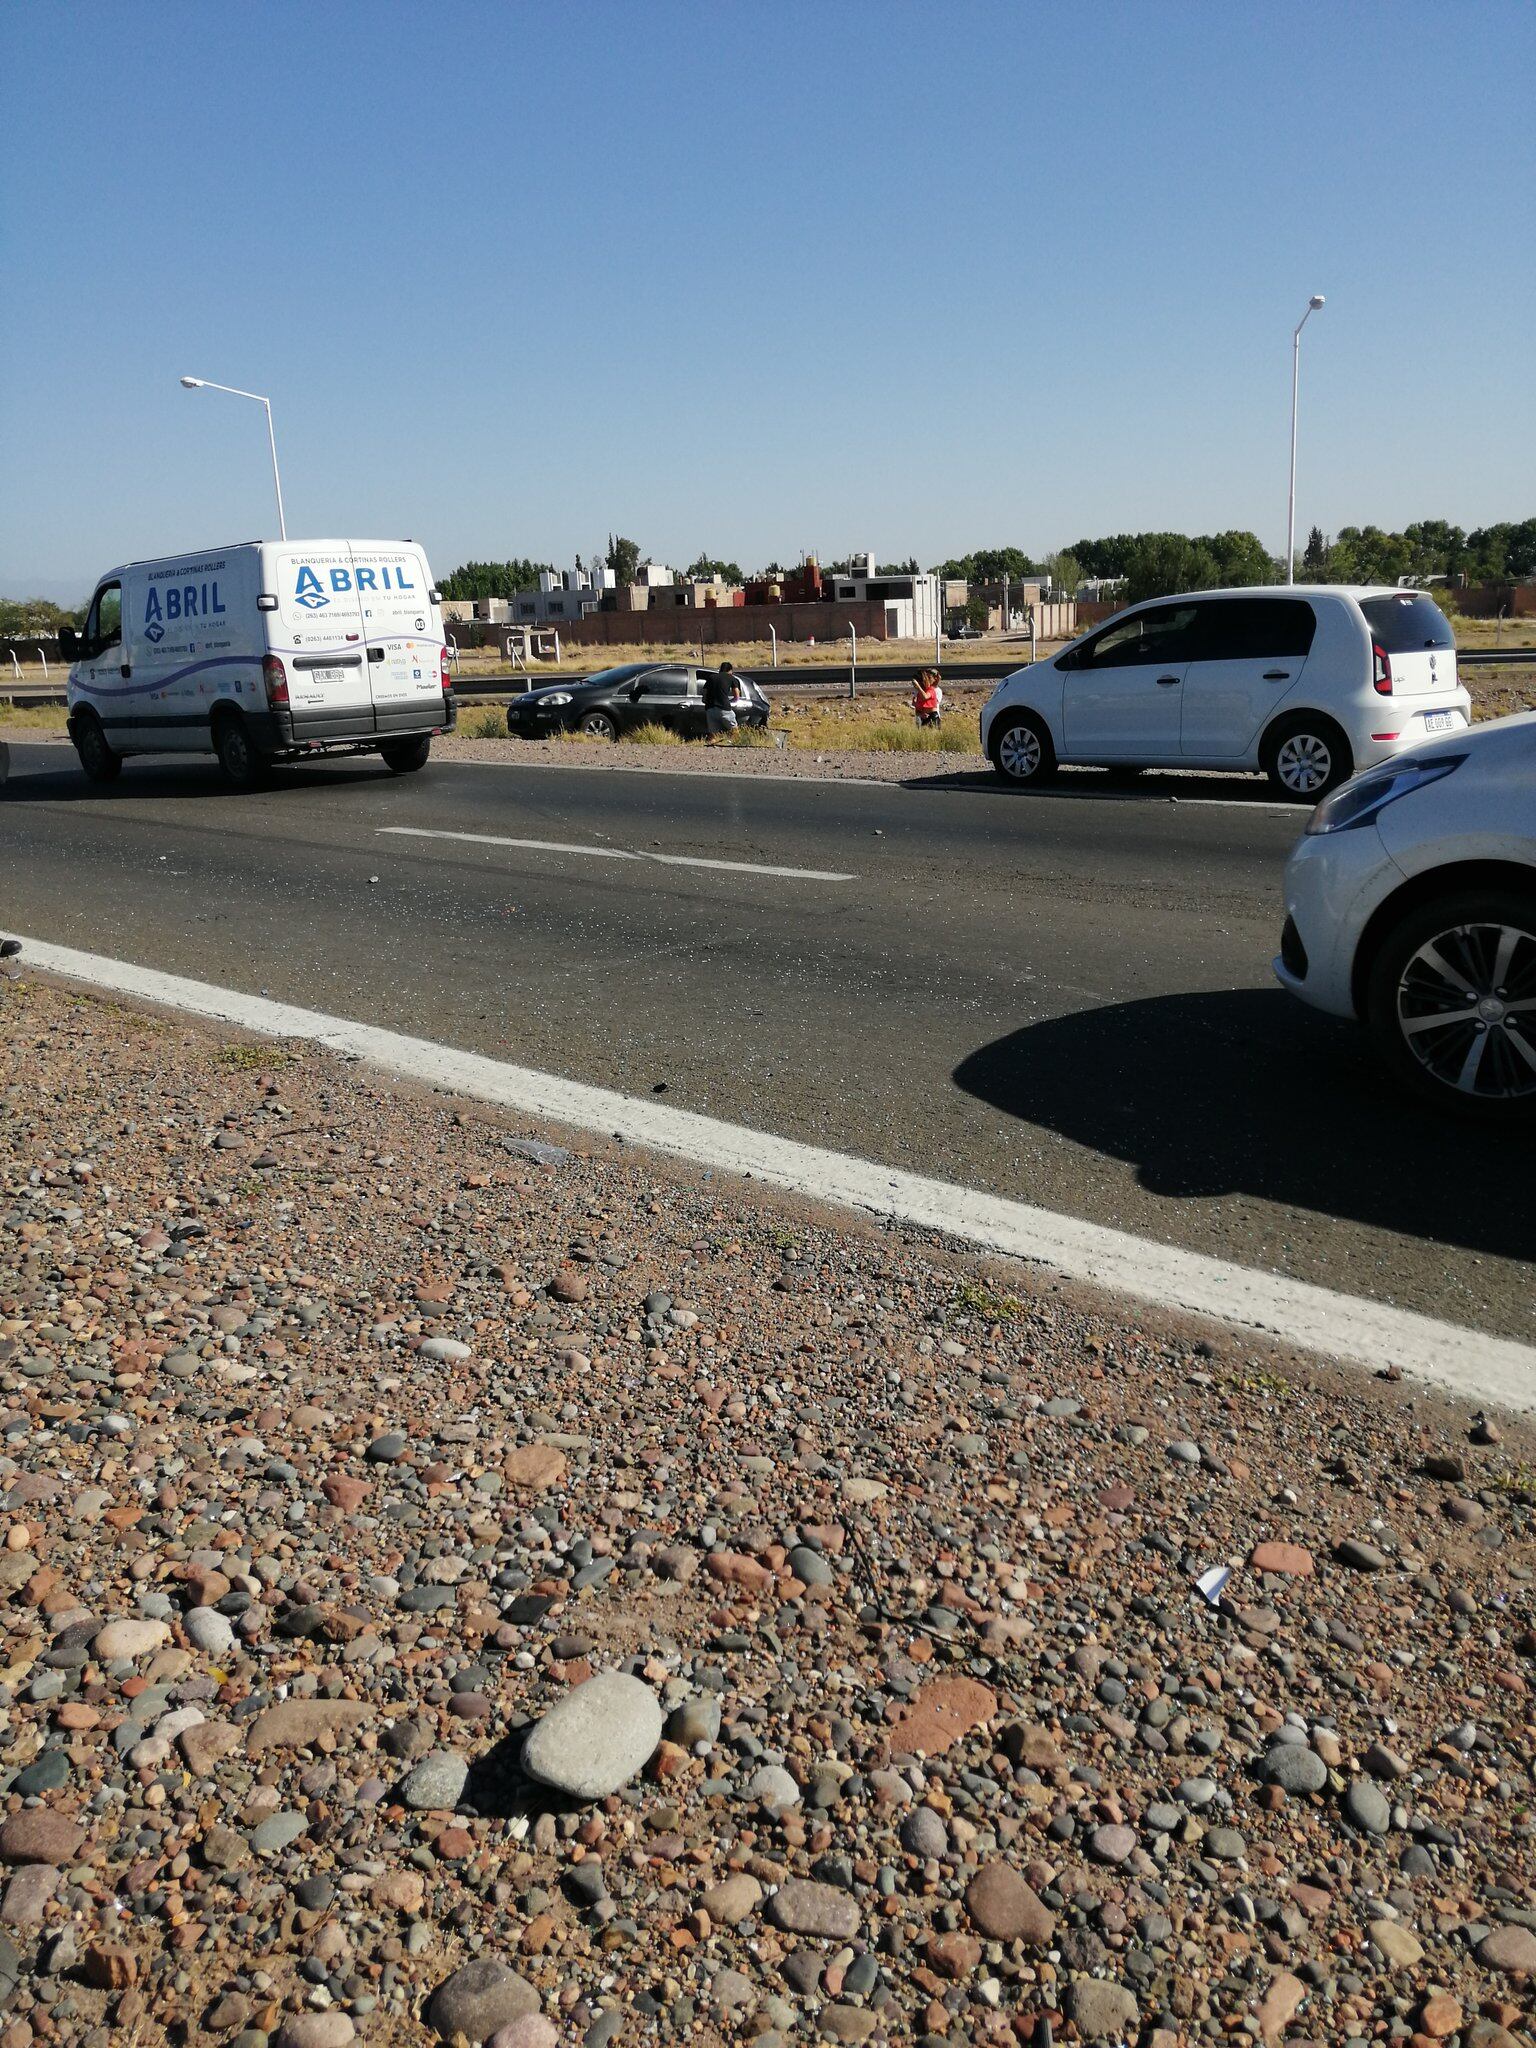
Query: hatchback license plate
(1439, 721)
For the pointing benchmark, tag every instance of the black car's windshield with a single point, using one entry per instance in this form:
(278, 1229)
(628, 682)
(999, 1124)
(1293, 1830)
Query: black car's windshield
(606, 678)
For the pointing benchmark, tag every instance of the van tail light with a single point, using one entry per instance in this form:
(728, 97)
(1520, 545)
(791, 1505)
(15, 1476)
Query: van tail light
(1381, 670)
(275, 677)
(442, 669)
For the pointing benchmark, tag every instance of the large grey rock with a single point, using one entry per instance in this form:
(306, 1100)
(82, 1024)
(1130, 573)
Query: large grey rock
(596, 1738)
(802, 1907)
(1295, 1768)
(479, 1998)
(1366, 1806)
(1103, 2012)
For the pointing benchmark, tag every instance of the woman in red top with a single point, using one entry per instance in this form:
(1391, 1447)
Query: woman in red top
(928, 698)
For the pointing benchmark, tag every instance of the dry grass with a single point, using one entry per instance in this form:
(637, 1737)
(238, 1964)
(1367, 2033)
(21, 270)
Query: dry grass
(756, 655)
(483, 722)
(32, 717)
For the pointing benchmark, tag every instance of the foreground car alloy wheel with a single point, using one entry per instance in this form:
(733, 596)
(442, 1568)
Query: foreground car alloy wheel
(1453, 1005)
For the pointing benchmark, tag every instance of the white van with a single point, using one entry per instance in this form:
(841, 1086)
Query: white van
(264, 651)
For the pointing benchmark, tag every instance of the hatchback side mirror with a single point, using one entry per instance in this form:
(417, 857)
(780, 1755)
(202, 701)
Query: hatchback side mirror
(634, 693)
(69, 644)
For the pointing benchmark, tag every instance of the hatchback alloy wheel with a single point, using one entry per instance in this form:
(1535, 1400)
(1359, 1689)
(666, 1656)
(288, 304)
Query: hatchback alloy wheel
(1019, 752)
(1304, 763)
(1466, 1008)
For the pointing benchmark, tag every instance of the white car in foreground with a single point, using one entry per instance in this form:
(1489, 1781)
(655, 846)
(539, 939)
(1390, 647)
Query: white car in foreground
(1411, 905)
(1307, 685)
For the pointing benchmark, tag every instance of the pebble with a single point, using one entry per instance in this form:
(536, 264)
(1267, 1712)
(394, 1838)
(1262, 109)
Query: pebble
(436, 1783)
(804, 1907)
(595, 1739)
(1295, 1768)
(478, 1998)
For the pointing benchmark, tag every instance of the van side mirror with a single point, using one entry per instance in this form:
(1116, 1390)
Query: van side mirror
(69, 644)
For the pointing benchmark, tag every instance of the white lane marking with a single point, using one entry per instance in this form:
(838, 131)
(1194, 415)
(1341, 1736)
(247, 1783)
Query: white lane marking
(1461, 1361)
(671, 860)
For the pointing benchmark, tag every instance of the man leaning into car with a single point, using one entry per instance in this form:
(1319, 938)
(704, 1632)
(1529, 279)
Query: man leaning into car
(719, 714)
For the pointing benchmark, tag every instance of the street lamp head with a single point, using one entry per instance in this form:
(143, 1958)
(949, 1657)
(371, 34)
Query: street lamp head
(1314, 302)
(192, 383)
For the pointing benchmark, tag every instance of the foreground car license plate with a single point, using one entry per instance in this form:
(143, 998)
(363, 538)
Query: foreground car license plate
(1439, 721)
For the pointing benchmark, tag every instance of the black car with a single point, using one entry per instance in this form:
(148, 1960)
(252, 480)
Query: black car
(619, 699)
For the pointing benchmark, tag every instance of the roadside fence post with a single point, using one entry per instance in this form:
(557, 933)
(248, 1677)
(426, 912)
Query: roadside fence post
(853, 666)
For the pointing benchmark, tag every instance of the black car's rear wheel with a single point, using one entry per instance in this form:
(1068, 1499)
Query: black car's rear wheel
(600, 725)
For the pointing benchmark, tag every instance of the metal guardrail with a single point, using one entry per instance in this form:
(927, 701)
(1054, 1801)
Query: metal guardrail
(883, 675)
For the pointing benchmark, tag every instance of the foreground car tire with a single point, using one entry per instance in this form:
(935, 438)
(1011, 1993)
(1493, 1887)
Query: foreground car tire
(406, 756)
(1305, 756)
(1021, 749)
(97, 759)
(1451, 1004)
(599, 725)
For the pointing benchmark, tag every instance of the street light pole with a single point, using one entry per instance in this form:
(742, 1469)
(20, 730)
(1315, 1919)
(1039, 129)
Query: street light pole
(1313, 305)
(204, 384)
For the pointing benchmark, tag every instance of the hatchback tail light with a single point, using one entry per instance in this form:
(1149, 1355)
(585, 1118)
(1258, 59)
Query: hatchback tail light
(275, 677)
(1381, 670)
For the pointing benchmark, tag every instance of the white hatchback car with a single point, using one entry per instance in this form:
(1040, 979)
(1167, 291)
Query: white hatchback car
(1411, 905)
(1306, 684)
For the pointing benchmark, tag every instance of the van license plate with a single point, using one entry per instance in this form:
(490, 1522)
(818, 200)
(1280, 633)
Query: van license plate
(328, 675)
(1439, 721)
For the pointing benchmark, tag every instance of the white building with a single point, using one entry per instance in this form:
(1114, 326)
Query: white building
(563, 596)
(911, 601)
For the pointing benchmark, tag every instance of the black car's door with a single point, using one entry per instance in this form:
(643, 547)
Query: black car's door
(659, 698)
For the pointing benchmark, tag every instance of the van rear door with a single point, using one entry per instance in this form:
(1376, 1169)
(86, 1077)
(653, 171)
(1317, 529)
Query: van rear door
(1416, 637)
(403, 633)
(317, 634)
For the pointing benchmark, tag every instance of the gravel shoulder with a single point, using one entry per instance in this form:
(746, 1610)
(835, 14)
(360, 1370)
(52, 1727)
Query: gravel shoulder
(348, 1431)
(829, 764)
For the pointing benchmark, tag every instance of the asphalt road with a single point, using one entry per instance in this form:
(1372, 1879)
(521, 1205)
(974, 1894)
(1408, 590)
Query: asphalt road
(1062, 998)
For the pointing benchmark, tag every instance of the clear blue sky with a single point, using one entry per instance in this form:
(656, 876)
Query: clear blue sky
(758, 279)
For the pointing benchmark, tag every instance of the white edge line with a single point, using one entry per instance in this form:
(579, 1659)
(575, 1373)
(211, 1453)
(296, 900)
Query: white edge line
(671, 860)
(1459, 1361)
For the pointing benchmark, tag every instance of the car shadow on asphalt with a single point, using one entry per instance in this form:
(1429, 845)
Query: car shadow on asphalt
(1245, 1092)
(1107, 785)
(189, 780)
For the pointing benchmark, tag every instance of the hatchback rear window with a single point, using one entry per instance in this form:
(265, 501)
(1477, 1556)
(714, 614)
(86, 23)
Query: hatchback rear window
(1405, 623)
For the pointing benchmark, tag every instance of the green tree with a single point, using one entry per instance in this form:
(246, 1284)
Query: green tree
(491, 579)
(1314, 557)
(976, 613)
(1163, 564)
(21, 616)
(706, 569)
(623, 559)
(1241, 558)
(1066, 572)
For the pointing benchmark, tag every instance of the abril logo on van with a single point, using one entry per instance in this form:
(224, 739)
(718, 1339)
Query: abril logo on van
(310, 592)
(178, 601)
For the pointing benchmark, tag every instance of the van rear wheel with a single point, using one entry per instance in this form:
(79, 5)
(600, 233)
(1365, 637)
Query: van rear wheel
(96, 757)
(243, 763)
(404, 757)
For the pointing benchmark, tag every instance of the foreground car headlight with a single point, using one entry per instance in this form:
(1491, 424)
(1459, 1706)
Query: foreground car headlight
(559, 697)
(1357, 802)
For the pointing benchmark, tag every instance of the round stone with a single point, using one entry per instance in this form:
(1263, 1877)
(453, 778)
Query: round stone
(597, 1738)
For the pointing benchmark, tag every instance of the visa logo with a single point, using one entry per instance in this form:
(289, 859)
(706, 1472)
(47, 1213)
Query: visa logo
(310, 592)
